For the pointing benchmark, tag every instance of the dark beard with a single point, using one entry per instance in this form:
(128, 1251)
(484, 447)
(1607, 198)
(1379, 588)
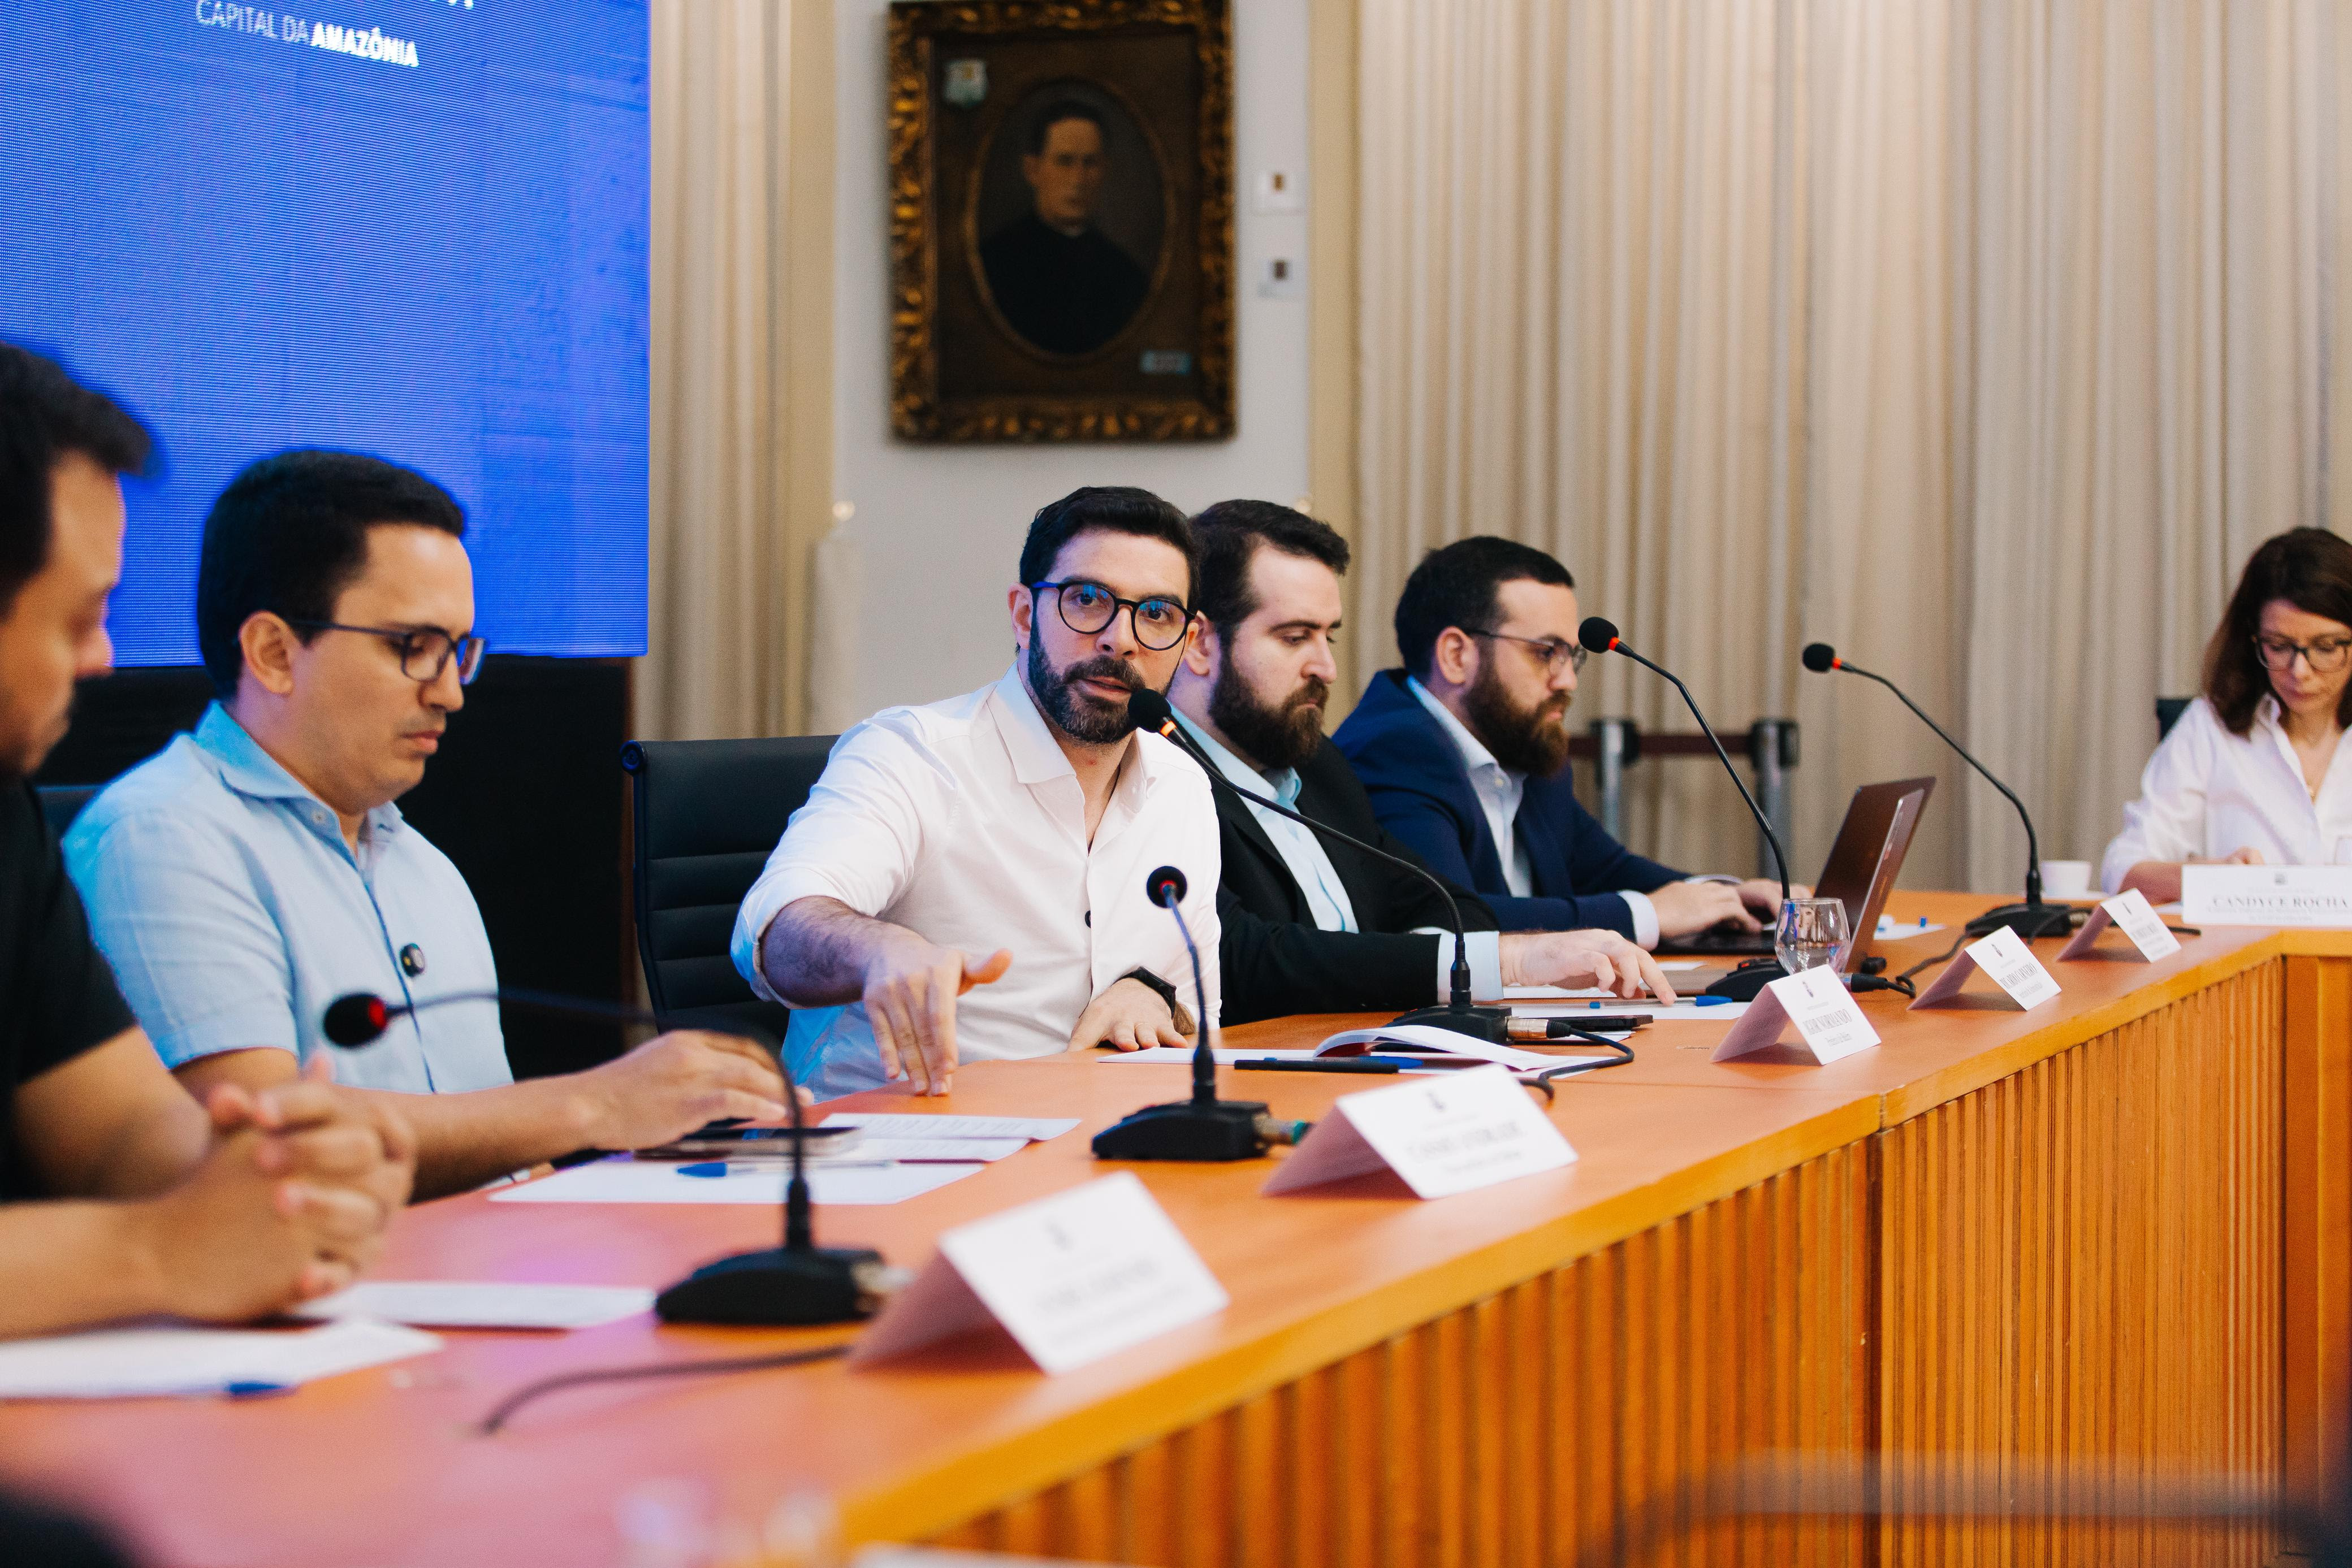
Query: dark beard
(1085, 718)
(1271, 738)
(1531, 741)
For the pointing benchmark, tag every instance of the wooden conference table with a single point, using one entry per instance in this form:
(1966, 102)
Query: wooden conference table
(2115, 1232)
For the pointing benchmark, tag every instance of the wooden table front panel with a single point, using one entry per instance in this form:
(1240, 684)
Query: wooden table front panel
(2072, 1274)
(1564, 1415)
(2081, 1276)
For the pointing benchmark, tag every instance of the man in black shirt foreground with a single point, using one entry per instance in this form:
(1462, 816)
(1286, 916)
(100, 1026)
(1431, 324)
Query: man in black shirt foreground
(120, 1196)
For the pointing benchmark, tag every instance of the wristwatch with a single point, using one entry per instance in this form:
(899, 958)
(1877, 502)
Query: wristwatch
(1176, 1009)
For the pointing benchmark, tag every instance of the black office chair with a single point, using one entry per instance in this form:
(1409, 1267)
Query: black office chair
(708, 812)
(2168, 713)
(61, 804)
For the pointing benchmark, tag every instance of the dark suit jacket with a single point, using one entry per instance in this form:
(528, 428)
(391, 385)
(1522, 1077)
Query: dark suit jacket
(1277, 961)
(1421, 791)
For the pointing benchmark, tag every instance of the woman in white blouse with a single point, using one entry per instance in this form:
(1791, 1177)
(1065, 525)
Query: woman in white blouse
(2259, 771)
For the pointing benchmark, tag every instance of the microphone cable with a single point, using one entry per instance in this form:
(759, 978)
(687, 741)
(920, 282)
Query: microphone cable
(531, 1393)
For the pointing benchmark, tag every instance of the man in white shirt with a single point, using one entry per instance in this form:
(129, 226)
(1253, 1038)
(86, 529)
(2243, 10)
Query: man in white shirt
(1311, 924)
(967, 879)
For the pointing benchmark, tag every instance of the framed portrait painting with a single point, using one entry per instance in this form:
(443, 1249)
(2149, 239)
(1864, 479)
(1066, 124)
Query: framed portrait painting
(1062, 220)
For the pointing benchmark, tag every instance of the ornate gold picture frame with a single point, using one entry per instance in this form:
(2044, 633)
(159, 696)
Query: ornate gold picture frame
(1061, 220)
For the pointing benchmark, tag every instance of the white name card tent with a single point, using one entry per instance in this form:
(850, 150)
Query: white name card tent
(2266, 894)
(1444, 1136)
(1829, 1024)
(1072, 1278)
(2009, 961)
(2131, 913)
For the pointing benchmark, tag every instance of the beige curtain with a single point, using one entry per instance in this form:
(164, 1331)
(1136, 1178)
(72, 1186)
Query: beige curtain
(742, 150)
(1981, 338)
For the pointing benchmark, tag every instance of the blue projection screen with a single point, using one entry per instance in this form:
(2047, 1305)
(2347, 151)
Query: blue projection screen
(415, 229)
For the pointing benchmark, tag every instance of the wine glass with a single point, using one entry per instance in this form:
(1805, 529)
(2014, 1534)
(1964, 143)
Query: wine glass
(1812, 932)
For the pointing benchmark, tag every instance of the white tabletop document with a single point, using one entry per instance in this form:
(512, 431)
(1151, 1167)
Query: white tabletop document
(2131, 913)
(1829, 1024)
(124, 1364)
(1072, 1278)
(1466, 1130)
(2266, 894)
(2008, 960)
(485, 1304)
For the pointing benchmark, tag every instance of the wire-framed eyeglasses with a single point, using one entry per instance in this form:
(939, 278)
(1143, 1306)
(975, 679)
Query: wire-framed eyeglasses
(425, 651)
(2325, 655)
(1551, 650)
(1087, 607)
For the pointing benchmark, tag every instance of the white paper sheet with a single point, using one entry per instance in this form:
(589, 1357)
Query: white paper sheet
(660, 1181)
(124, 1364)
(1180, 1055)
(1717, 1012)
(878, 1124)
(486, 1304)
(943, 1151)
(1893, 930)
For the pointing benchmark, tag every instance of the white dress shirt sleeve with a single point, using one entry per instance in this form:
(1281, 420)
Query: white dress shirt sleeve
(858, 840)
(1645, 916)
(2167, 821)
(1486, 950)
(1200, 901)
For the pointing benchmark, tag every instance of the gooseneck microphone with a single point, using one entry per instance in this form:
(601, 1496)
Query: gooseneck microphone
(1150, 711)
(799, 1283)
(2029, 919)
(1600, 637)
(1204, 1128)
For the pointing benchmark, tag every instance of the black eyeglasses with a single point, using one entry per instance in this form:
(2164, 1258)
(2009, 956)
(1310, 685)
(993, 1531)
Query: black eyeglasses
(1552, 650)
(2326, 657)
(425, 651)
(1087, 607)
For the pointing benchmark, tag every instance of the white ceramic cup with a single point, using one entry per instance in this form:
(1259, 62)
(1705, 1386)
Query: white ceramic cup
(2065, 879)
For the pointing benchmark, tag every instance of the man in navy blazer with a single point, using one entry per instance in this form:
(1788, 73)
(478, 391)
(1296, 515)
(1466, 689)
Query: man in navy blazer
(1465, 755)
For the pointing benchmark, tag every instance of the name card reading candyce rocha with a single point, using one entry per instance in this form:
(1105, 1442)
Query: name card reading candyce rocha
(2266, 894)
(2131, 913)
(2009, 962)
(1443, 1134)
(1828, 1022)
(1072, 1278)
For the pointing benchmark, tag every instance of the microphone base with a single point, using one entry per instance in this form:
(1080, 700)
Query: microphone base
(1746, 983)
(779, 1286)
(1492, 1025)
(2028, 920)
(1200, 1132)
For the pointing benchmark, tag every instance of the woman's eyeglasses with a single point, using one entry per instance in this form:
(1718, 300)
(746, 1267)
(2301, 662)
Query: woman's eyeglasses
(2325, 655)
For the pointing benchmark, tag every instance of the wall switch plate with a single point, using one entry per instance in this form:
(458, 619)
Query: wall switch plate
(1278, 191)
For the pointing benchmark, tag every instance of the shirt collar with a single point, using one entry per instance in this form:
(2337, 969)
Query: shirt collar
(1474, 752)
(1038, 756)
(1279, 784)
(250, 770)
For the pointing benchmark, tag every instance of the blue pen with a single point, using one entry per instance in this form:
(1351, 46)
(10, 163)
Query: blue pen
(1706, 1001)
(255, 1390)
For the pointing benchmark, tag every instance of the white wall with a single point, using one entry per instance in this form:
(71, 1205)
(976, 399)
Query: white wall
(938, 529)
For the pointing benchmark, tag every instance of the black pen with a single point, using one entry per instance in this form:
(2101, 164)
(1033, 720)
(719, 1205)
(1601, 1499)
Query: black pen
(1316, 1064)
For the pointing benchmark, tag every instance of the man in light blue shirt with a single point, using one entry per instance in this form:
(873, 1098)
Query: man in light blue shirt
(257, 869)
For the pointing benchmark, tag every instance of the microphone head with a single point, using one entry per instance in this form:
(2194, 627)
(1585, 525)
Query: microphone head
(1147, 709)
(356, 1020)
(1820, 658)
(1165, 887)
(1598, 636)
